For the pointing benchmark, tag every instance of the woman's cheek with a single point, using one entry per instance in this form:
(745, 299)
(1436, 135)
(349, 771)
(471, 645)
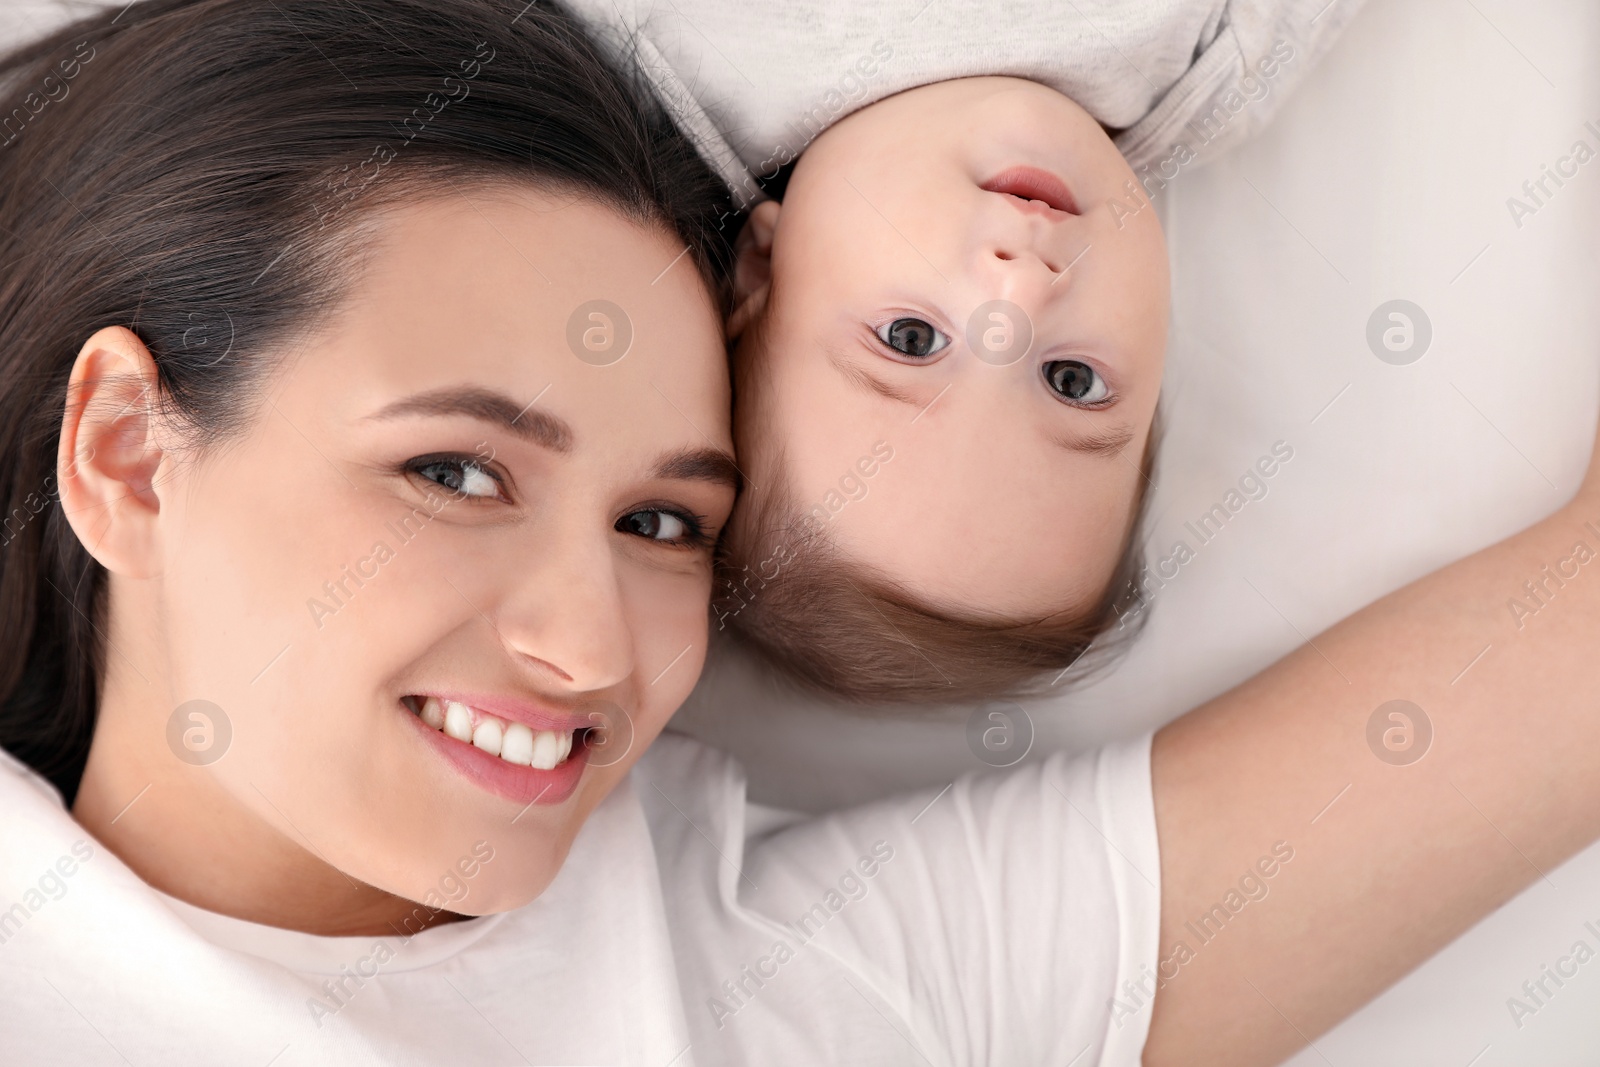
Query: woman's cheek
(670, 617)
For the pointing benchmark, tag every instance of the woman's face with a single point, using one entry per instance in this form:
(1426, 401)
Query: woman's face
(452, 494)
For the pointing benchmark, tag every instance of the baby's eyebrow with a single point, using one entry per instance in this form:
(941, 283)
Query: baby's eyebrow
(1102, 443)
(872, 382)
(1105, 443)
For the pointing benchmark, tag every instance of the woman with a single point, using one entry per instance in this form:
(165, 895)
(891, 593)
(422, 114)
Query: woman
(364, 347)
(306, 277)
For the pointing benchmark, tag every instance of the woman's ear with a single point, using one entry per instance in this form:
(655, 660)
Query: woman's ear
(752, 273)
(108, 457)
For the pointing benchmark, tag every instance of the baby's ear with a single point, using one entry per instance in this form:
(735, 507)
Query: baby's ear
(752, 273)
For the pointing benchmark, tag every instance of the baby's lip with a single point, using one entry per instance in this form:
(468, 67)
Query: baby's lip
(1032, 185)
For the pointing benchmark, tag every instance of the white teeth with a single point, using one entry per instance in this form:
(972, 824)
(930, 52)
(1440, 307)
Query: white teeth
(488, 735)
(546, 750)
(458, 721)
(513, 742)
(518, 745)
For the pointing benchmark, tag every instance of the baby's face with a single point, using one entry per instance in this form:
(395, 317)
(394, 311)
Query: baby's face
(907, 275)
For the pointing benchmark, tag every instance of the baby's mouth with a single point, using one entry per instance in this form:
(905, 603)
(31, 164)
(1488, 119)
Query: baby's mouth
(513, 742)
(1033, 185)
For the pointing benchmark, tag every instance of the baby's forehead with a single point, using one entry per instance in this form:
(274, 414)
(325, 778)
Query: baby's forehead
(881, 631)
(959, 518)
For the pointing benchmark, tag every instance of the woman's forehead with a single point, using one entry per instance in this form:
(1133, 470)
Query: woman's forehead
(534, 297)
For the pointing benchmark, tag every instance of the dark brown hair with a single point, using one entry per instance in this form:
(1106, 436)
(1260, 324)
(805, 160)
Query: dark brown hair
(193, 170)
(842, 631)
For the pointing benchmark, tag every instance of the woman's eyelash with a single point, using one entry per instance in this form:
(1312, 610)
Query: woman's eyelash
(459, 474)
(469, 471)
(695, 534)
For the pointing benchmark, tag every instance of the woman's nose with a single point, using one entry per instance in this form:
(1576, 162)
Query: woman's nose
(564, 616)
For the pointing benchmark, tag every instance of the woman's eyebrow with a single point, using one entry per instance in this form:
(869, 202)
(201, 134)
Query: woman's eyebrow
(700, 465)
(542, 428)
(486, 405)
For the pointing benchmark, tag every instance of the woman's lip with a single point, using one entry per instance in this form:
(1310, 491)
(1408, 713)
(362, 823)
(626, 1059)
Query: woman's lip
(518, 784)
(533, 716)
(1032, 183)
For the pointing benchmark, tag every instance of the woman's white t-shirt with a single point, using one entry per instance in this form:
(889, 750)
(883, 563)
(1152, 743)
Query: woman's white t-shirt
(1010, 919)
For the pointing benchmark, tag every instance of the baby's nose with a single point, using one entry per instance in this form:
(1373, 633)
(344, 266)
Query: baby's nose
(1022, 271)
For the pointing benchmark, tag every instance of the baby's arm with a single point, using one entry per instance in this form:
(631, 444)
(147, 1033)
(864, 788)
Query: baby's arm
(1390, 862)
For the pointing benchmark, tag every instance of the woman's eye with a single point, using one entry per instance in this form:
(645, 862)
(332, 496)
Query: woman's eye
(1075, 382)
(464, 477)
(912, 337)
(664, 526)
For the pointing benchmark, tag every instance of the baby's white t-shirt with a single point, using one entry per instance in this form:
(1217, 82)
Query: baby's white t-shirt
(994, 922)
(753, 83)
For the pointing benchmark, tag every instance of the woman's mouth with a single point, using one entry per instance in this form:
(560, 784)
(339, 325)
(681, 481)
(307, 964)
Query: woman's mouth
(513, 759)
(513, 742)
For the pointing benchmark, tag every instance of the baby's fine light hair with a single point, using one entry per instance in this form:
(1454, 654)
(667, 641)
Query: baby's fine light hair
(843, 631)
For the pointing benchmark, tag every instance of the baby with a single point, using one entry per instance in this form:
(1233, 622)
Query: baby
(949, 332)
(950, 337)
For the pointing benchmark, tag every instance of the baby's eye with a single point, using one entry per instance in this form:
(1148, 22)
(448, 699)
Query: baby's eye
(1075, 382)
(461, 475)
(912, 337)
(666, 527)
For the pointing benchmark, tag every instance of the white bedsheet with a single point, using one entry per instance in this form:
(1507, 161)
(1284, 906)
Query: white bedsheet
(1386, 177)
